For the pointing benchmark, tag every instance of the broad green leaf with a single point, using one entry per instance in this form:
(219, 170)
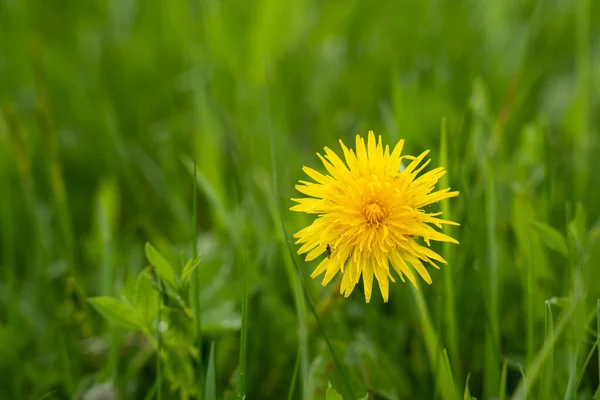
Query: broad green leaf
(163, 268)
(189, 268)
(551, 237)
(179, 370)
(118, 312)
(332, 394)
(145, 298)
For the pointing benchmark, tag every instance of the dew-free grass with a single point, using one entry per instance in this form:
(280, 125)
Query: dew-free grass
(105, 105)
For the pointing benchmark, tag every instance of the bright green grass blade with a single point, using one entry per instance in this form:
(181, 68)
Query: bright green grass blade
(535, 368)
(548, 372)
(583, 368)
(467, 393)
(502, 395)
(244, 331)
(210, 387)
(159, 377)
(449, 271)
(196, 281)
(583, 77)
(294, 378)
(446, 386)
(597, 341)
(449, 372)
(491, 355)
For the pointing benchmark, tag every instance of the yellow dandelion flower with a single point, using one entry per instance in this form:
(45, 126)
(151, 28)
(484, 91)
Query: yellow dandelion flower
(369, 214)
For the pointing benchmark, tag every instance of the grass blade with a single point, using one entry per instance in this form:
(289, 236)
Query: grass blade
(491, 356)
(196, 281)
(159, 376)
(536, 366)
(446, 386)
(502, 394)
(450, 301)
(244, 331)
(294, 378)
(546, 381)
(210, 387)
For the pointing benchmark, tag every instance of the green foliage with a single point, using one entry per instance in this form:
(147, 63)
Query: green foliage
(124, 123)
(118, 312)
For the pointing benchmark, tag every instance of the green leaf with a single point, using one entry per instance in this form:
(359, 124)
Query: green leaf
(163, 268)
(551, 237)
(179, 370)
(118, 312)
(210, 387)
(145, 298)
(467, 395)
(189, 269)
(332, 394)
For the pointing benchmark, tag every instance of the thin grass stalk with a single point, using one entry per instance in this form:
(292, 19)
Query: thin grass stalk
(244, 332)
(491, 355)
(294, 377)
(546, 380)
(159, 341)
(447, 247)
(536, 366)
(196, 281)
(431, 344)
(502, 394)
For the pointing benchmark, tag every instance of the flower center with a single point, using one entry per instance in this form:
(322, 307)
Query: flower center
(374, 213)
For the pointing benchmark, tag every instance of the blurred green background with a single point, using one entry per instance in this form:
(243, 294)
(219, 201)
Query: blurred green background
(104, 105)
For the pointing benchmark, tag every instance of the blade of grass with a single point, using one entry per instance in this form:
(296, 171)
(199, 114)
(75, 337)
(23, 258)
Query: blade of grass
(583, 76)
(546, 380)
(585, 364)
(294, 377)
(340, 368)
(535, 368)
(210, 387)
(431, 344)
(244, 330)
(467, 395)
(491, 355)
(159, 341)
(502, 395)
(450, 301)
(598, 340)
(449, 372)
(196, 281)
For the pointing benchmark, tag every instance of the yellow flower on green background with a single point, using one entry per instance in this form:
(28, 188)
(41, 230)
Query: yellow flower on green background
(370, 214)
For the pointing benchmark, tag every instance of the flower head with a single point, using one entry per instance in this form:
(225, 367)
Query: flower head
(370, 213)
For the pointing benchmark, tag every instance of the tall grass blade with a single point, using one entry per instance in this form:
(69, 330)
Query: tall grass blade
(446, 386)
(159, 376)
(210, 387)
(196, 281)
(548, 373)
(535, 368)
(491, 355)
(292, 389)
(449, 271)
(244, 330)
(502, 394)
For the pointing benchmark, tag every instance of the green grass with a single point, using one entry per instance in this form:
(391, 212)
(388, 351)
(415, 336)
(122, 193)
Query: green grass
(124, 123)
